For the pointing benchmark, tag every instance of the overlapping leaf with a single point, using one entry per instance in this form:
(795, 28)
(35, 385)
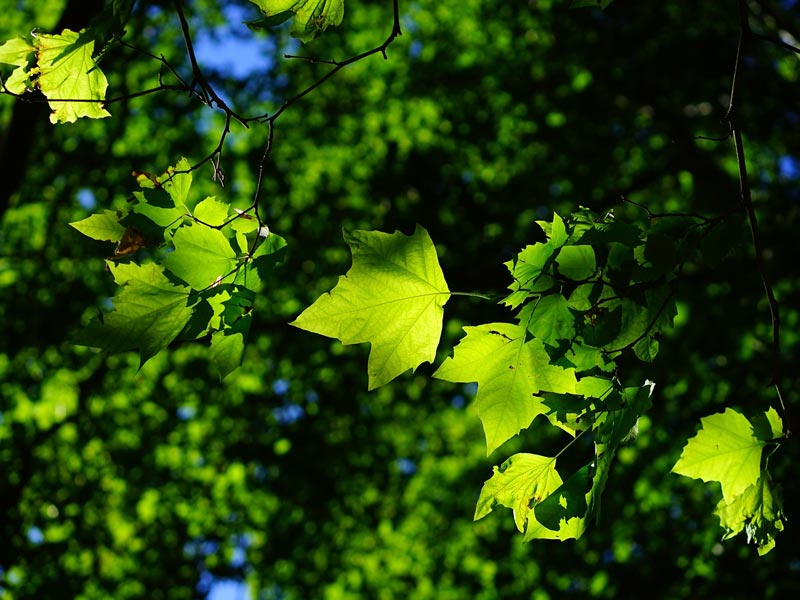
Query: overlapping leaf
(150, 312)
(509, 370)
(758, 511)
(392, 297)
(311, 17)
(522, 481)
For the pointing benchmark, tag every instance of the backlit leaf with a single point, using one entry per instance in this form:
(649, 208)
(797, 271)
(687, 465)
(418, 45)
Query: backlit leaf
(202, 256)
(392, 297)
(519, 483)
(104, 226)
(509, 372)
(67, 72)
(724, 450)
(311, 17)
(150, 312)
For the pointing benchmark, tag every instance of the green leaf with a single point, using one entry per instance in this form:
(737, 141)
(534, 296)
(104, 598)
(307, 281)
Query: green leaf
(150, 313)
(211, 212)
(576, 262)
(227, 346)
(522, 481)
(177, 181)
(509, 371)
(202, 256)
(767, 426)
(549, 319)
(646, 349)
(104, 227)
(20, 53)
(311, 17)
(724, 450)
(67, 72)
(563, 514)
(527, 269)
(758, 510)
(392, 297)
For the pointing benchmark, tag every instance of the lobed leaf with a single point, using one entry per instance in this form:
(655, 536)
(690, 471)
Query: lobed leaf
(392, 297)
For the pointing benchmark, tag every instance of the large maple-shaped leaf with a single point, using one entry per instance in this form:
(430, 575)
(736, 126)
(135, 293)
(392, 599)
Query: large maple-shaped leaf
(202, 256)
(67, 72)
(509, 371)
(725, 450)
(150, 313)
(758, 510)
(522, 481)
(311, 17)
(392, 297)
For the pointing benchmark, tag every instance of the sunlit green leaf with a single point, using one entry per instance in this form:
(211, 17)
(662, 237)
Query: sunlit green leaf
(392, 297)
(66, 73)
(104, 226)
(202, 256)
(519, 483)
(150, 312)
(724, 450)
(311, 17)
(509, 372)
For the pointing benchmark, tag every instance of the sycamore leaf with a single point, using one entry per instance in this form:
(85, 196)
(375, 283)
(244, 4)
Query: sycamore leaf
(549, 319)
(17, 52)
(177, 181)
(311, 17)
(528, 270)
(67, 72)
(563, 514)
(150, 313)
(724, 450)
(227, 346)
(211, 212)
(392, 297)
(104, 227)
(521, 481)
(509, 372)
(202, 256)
(758, 510)
(576, 262)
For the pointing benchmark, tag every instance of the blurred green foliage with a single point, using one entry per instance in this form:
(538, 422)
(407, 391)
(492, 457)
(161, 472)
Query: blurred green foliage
(289, 476)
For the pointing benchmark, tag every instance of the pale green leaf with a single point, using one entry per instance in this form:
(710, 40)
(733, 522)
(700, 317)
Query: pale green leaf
(67, 72)
(104, 226)
(211, 212)
(202, 256)
(509, 372)
(758, 510)
(521, 482)
(177, 181)
(528, 269)
(150, 312)
(16, 51)
(311, 17)
(724, 450)
(563, 514)
(576, 262)
(392, 297)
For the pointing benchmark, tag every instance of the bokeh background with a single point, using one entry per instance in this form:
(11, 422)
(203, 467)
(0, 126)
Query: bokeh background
(288, 480)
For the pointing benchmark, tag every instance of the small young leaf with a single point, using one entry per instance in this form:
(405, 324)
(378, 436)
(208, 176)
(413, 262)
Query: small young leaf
(104, 227)
(211, 212)
(393, 297)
